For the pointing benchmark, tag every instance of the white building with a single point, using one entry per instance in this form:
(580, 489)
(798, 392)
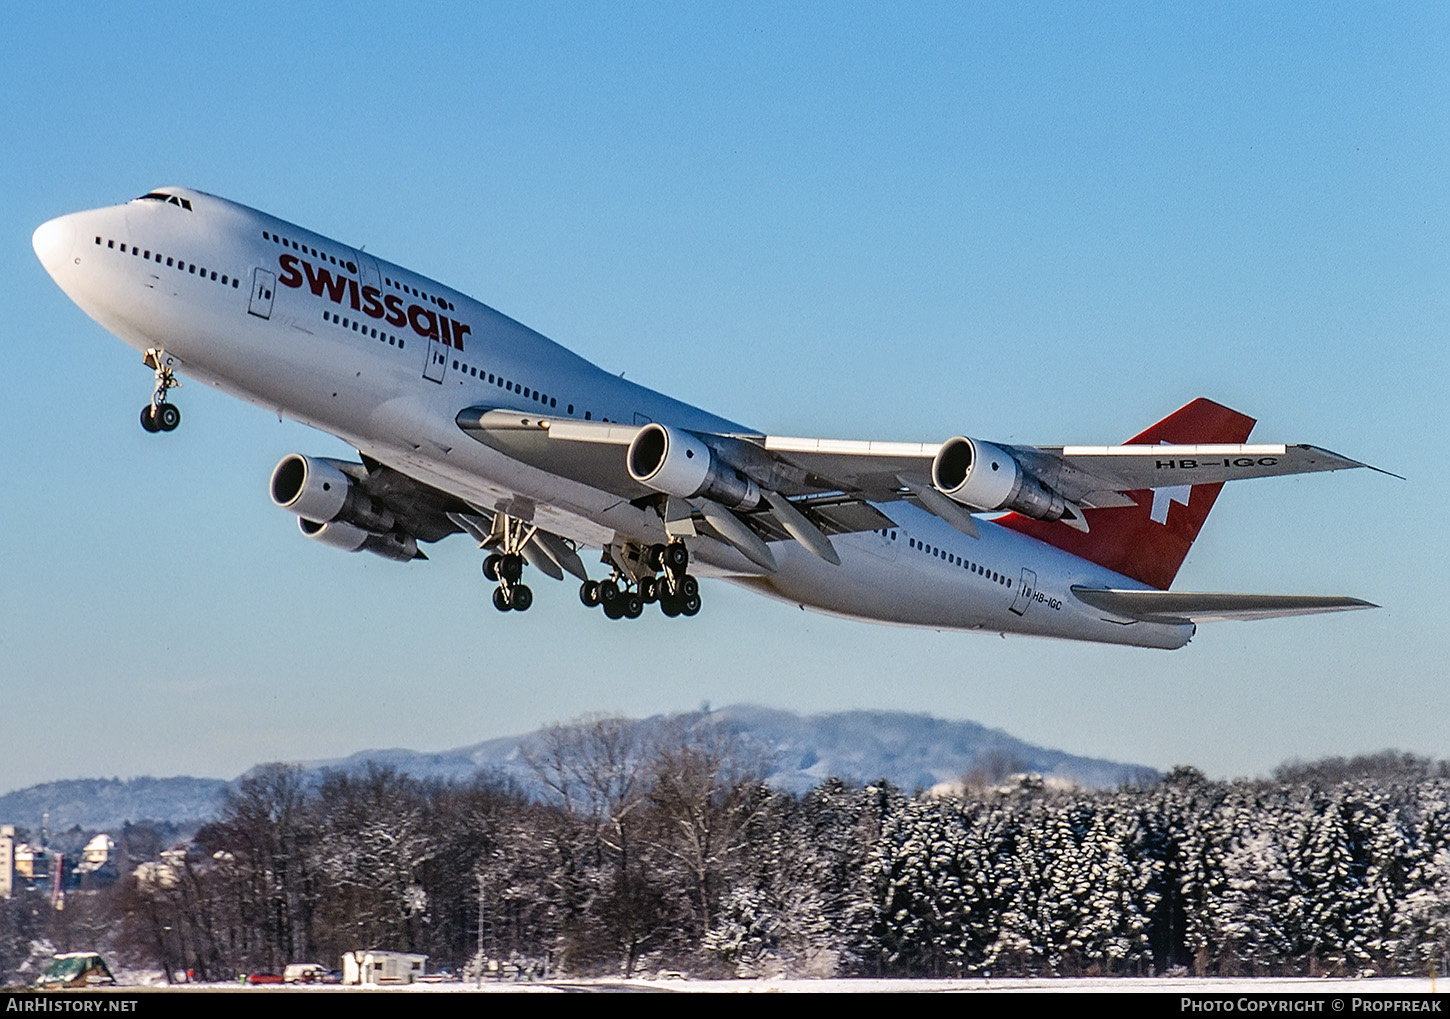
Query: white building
(97, 854)
(378, 968)
(7, 860)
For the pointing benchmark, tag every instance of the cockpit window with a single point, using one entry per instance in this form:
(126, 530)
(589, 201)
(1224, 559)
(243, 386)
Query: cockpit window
(160, 196)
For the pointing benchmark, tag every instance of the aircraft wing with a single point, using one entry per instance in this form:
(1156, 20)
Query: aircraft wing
(828, 486)
(1190, 607)
(1078, 472)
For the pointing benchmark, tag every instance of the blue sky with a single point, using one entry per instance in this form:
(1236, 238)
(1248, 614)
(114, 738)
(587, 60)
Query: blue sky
(1046, 224)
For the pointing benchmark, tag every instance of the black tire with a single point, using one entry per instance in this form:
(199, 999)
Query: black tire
(490, 567)
(522, 598)
(501, 599)
(147, 421)
(677, 557)
(168, 417)
(608, 593)
(614, 609)
(654, 557)
(689, 587)
(649, 590)
(511, 567)
(589, 593)
(669, 605)
(633, 606)
(690, 605)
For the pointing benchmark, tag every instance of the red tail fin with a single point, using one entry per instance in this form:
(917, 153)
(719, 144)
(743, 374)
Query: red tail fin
(1149, 541)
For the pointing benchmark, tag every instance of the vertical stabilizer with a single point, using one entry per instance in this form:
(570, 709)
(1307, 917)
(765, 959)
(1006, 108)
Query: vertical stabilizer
(1150, 540)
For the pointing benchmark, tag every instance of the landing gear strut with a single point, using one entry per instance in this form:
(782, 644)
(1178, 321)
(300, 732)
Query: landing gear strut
(507, 567)
(677, 593)
(159, 415)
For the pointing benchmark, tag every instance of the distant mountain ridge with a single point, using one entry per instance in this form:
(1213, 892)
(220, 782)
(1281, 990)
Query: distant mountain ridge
(797, 752)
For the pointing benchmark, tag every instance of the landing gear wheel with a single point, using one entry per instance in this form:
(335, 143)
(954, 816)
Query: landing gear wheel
(490, 567)
(690, 604)
(523, 598)
(614, 609)
(148, 421)
(511, 567)
(649, 590)
(501, 599)
(589, 593)
(654, 557)
(608, 593)
(167, 417)
(689, 587)
(677, 557)
(633, 606)
(669, 605)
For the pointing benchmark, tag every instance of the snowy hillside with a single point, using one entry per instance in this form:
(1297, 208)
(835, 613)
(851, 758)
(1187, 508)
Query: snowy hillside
(794, 753)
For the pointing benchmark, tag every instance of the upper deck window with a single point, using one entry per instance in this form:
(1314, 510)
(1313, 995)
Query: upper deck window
(161, 196)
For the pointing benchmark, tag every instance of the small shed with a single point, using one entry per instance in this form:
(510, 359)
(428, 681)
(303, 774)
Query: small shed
(379, 968)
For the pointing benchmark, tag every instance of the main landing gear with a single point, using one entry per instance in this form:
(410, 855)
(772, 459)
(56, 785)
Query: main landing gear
(677, 593)
(507, 567)
(159, 415)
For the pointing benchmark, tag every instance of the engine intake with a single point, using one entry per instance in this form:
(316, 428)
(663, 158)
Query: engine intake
(677, 463)
(316, 489)
(985, 477)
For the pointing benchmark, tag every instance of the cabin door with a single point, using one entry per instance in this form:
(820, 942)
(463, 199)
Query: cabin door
(264, 283)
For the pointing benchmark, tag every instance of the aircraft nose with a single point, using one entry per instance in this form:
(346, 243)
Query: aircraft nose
(53, 242)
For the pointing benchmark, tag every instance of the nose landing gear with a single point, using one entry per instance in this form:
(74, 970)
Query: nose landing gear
(160, 415)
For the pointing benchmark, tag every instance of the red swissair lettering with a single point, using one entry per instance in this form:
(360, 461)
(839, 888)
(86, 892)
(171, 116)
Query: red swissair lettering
(371, 301)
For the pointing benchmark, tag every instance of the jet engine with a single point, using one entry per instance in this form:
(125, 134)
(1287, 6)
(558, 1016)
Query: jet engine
(332, 509)
(677, 463)
(316, 489)
(340, 534)
(986, 477)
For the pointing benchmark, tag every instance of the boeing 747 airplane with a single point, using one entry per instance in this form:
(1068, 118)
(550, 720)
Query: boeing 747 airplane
(467, 422)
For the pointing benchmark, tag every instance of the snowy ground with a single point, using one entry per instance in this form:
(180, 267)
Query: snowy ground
(1156, 985)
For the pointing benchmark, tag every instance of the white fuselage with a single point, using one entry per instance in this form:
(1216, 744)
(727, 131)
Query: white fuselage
(385, 359)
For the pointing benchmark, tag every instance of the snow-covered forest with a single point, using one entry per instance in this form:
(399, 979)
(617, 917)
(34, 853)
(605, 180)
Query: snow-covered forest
(672, 855)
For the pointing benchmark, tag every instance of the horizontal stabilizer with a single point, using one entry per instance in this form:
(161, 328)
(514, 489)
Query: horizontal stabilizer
(1191, 607)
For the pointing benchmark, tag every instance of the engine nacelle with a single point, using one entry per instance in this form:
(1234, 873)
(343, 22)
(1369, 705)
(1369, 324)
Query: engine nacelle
(315, 489)
(677, 463)
(350, 538)
(986, 477)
